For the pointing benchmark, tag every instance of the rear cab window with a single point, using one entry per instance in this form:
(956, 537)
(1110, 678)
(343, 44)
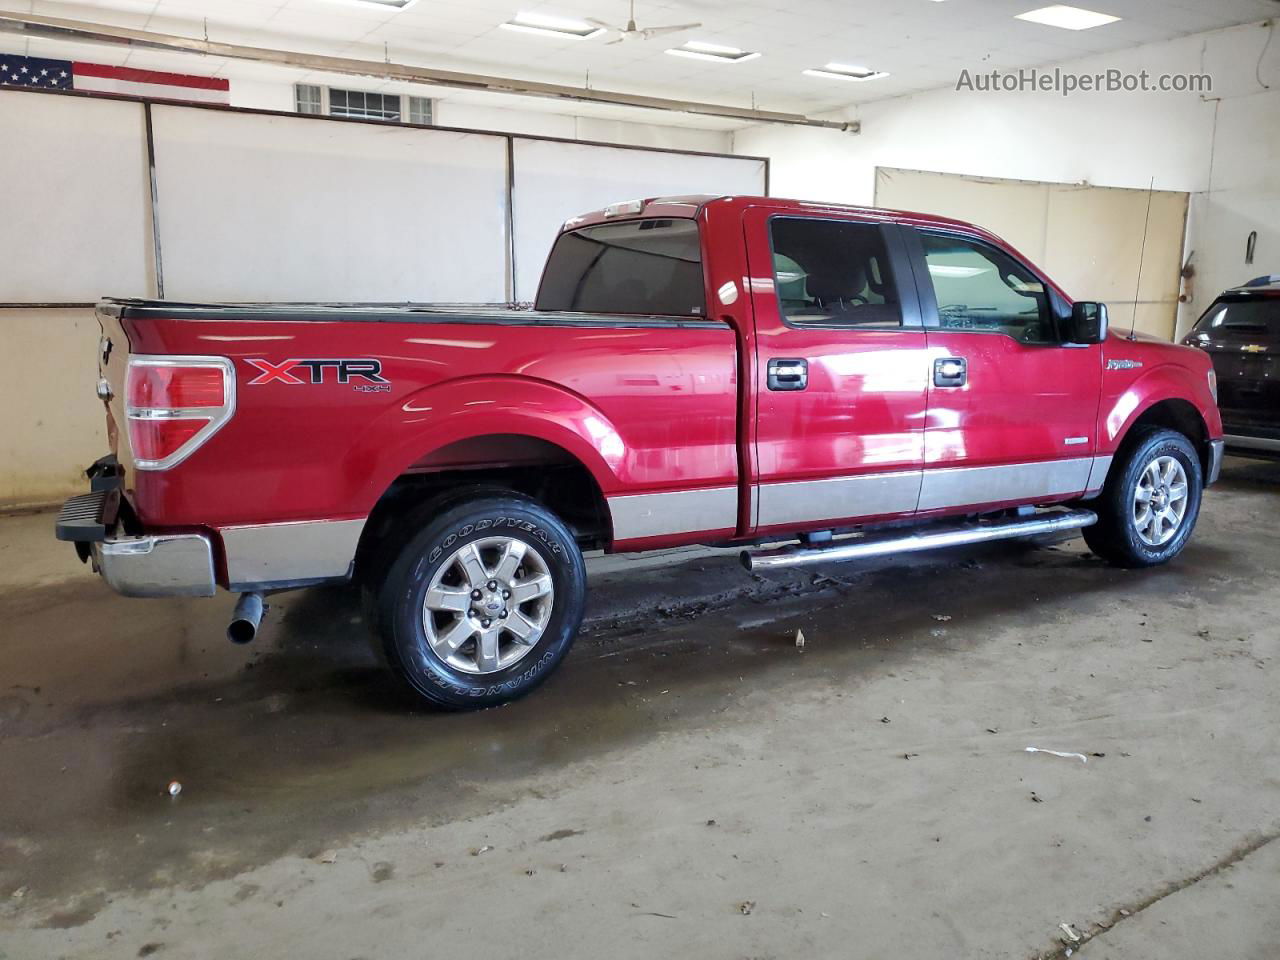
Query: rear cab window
(641, 267)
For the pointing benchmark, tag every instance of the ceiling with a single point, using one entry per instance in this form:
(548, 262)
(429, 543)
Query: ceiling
(922, 44)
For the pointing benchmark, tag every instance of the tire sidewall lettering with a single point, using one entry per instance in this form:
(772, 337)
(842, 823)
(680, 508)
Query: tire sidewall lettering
(456, 686)
(506, 686)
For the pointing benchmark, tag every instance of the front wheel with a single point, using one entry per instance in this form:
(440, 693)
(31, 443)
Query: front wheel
(483, 602)
(1150, 503)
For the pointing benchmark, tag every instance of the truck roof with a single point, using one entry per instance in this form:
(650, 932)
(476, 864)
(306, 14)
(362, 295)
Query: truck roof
(689, 205)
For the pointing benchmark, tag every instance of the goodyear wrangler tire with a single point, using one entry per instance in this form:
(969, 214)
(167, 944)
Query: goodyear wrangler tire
(483, 602)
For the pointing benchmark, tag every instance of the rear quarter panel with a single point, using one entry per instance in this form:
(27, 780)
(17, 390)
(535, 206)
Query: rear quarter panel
(645, 409)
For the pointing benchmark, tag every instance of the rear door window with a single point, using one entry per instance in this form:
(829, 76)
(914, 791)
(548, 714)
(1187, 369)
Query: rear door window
(833, 273)
(645, 267)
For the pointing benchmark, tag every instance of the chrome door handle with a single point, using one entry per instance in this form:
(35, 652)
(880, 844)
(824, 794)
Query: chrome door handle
(950, 372)
(788, 374)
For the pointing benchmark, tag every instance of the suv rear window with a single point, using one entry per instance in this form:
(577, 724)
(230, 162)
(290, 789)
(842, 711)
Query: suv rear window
(1244, 316)
(648, 267)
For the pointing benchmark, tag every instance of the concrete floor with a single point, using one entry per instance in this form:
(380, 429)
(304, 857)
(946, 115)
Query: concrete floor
(689, 784)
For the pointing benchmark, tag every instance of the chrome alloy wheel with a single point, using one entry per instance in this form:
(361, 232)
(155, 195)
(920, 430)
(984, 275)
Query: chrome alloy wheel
(1160, 501)
(488, 605)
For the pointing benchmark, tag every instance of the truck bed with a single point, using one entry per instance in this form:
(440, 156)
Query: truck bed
(647, 403)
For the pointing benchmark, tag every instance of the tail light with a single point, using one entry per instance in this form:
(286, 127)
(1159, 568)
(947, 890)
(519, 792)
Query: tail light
(175, 404)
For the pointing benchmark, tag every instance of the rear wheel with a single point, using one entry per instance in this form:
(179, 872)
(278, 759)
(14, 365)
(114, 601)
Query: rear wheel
(1151, 501)
(483, 602)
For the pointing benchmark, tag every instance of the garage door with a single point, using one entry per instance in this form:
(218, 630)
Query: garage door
(1089, 239)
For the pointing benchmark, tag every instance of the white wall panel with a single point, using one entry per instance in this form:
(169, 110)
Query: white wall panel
(281, 208)
(554, 181)
(76, 219)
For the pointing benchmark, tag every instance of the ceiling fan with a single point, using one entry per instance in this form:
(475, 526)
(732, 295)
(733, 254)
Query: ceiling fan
(632, 32)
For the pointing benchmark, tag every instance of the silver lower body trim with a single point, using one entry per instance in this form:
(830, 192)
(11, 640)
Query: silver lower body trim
(837, 498)
(171, 565)
(858, 548)
(1098, 475)
(1251, 443)
(1026, 482)
(265, 555)
(637, 516)
(800, 502)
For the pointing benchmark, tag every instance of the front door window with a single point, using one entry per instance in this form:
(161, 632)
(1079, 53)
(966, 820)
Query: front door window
(981, 289)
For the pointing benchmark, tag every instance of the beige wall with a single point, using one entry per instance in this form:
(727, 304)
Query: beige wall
(52, 425)
(1090, 240)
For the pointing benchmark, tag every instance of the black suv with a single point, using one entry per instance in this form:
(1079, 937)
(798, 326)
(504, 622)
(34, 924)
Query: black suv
(1241, 332)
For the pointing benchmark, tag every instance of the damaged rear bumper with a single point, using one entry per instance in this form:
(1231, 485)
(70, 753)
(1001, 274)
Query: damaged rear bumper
(170, 565)
(186, 563)
(161, 565)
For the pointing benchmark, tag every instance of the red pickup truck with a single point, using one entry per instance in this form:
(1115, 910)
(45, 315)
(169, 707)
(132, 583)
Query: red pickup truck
(721, 370)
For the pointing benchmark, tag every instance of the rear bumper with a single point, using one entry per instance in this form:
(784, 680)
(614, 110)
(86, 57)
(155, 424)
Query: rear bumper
(170, 565)
(265, 556)
(1216, 449)
(162, 565)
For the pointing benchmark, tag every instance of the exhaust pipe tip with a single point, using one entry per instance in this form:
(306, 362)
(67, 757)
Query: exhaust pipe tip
(246, 618)
(744, 557)
(242, 631)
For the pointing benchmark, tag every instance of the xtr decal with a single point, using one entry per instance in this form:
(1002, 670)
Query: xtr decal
(315, 371)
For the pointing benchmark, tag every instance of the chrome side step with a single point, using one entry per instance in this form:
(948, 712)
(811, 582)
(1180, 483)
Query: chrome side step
(933, 538)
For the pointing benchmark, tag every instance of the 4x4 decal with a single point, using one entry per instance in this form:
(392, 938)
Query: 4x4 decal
(314, 371)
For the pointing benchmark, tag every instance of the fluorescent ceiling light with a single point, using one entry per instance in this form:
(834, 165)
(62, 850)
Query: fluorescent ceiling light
(385, 4)
(698, 50)
(1068, 18)
(542, 25)
(843, 71)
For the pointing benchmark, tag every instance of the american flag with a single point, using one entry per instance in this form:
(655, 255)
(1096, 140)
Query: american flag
(45, 74)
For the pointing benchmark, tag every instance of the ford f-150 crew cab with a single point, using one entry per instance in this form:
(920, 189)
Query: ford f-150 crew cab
(731, 370)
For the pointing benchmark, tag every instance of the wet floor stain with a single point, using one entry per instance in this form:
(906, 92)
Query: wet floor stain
(80, 913)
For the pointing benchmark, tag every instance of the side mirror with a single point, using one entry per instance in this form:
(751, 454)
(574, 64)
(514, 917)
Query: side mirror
(1088, 323)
